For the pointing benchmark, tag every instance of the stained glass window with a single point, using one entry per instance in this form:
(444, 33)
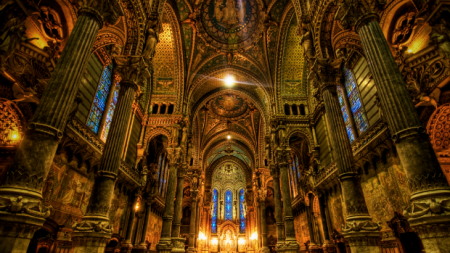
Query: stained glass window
(355, 102)
(298, 170)
(100, 100)
(110, 114)
(214, 212)
(344, 110)
(228, 205)
(242, 211)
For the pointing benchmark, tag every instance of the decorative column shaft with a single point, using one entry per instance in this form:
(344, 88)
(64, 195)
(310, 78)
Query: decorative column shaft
(191, 247)
(327, 246)
(359, 223)
(25, 178)
(427, 183)
(291, 245)
(127, 245)
(278, 208)
(148, 208)
(262, 205)
(92, 234)
(178, 243)
(165, 243)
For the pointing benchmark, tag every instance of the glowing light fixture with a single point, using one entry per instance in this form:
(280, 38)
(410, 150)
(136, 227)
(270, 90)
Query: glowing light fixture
(241, 241)
(201, 236)
(137, 206)
(409, 51)
(254, 236)
(229, 81)
(14, 137)
(229, 137)
(214, 241)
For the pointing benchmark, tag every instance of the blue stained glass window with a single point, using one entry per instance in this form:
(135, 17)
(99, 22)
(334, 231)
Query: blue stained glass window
(214, 213)
(242, 213)
(355, 102)
(110, 114)
(228, 205)
(344, 110)
(100, 100)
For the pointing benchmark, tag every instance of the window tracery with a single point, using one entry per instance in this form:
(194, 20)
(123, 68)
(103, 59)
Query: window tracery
(101, 96)
(214, 212)
(228, 205)
(242, 211)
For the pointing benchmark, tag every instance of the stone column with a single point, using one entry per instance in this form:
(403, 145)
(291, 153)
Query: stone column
(178, 242)
(262, 205)
(360, 232)
(26, 176)
(142, 247)
(278, 208)
(192, 237)
(312, 242)
(92, 234)
(427, 183)
(291, 245)
(165, 242)
(327, 246)
(127, 246)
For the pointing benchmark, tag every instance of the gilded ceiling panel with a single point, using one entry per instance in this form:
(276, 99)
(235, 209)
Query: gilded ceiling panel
(165, 63)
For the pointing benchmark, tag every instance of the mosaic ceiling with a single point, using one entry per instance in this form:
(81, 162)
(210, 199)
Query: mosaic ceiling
(229, 24)
(229, 105)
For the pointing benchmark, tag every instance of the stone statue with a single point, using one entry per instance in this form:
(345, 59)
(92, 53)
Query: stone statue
(307, 43)
(12, 36)
(152, 39)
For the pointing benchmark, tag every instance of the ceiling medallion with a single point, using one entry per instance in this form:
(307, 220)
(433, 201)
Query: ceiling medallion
(229, 25)
(229, 105)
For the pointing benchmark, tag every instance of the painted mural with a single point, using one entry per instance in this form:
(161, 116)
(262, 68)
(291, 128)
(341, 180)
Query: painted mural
(118, 207)
(153, 230)
(385, 190)
(68, 189)
(301, 228)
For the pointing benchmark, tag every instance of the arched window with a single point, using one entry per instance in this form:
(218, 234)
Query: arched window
(287, 109)
(105, 101)
(242, 211)
(351, 107)
(214, 212)
(228, 205)
(99, 105)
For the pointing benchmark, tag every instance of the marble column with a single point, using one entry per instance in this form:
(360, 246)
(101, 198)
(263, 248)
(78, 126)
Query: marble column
(278, 208)
(142, 247)
(178, 243)
(291, 245)
(165, 242)
(95, 229)
(127, 246)
(309, 214)
(327, 246)
(262, 207)
(25, 178)
(192, 228)
(427, 183)
(359, 226)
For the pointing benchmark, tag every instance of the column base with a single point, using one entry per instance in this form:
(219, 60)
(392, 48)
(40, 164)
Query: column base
(289, 247)
(178, 244)
(363, 241)
(191, 250)
(139, 249)
(264, 250)
(313, 248)
(90, 242)
(16, 231)
(164, 245)
(329, 247)
(127, 247)
(434, 231)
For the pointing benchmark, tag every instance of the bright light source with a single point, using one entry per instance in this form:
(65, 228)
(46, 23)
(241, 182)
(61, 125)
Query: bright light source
(254, 236)
(229, 81)
(228, 137)
(214, 241)
(409, 51)
(241, 241)
(14, 136)
(201, 236)
(137, 206)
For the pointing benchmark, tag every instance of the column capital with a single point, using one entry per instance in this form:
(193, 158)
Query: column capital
(354, 13)
(274, 172)
(283, 155)
(174, 156)
(326, 74)
(131, 69)
(107, 11)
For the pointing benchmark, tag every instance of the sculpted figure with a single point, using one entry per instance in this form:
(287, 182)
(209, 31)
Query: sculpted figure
(440, 35)
(151, 41)
(12, 36)
(307, 43)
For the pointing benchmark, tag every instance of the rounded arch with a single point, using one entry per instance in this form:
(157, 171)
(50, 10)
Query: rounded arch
(220, 144)
(302, 133)
(155, 132)
(221, 161)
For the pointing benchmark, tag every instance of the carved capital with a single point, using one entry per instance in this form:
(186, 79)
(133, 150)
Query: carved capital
(350, 12)
(327, 74)
(174, 156)
(107, 11)
(131, 69)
